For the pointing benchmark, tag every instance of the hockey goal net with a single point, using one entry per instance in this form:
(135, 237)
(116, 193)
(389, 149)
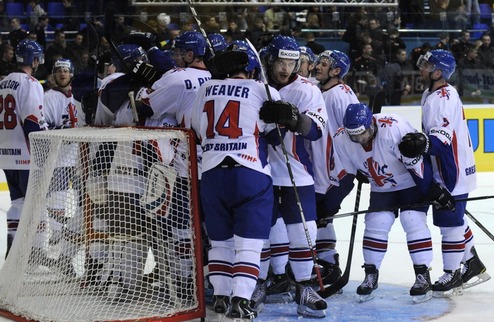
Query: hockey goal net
(110, 229)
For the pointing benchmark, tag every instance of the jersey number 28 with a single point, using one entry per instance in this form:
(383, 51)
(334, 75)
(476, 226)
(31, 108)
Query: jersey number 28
(7, 106)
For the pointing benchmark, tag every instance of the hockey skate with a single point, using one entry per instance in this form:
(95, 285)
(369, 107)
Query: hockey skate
(221, 303)
(259, 295)
(279, 283)
(330, 272)
(310, 304)
(448, 284)
(473, 271)
(421, 290)
(279, 289)
(241, 309)
(369, 284)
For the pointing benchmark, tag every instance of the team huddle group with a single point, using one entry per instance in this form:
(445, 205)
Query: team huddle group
(282, 139)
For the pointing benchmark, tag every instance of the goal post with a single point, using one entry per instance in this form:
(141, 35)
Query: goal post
(110, 229)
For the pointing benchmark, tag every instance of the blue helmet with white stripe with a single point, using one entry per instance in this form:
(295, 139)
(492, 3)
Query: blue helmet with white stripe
(63, 64)
(283, 47)
(357, 118)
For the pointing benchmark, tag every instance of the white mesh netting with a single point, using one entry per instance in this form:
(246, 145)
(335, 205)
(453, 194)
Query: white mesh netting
(108, 230)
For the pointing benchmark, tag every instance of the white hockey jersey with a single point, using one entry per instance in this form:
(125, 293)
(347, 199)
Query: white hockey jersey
(172, 101)
(60, 112)
(59, 109)
(337, 99)
(226, 119)
(381, 161)
(444, 118)
(21, 98)
(173, 95)
(308, 98)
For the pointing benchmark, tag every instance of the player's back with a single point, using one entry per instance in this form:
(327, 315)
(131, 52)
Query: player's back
(337, 100)
(174, 94)
(22, 99)
(226, 117)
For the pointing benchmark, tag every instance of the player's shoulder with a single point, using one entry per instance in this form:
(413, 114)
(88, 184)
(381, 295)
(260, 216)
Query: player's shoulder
(389, 123)
(305, 82)
(341, 89)
(340, 134)
(446, 92)
(110, 78)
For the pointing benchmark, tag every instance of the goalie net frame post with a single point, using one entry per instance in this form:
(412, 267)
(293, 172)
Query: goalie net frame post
(192, 310)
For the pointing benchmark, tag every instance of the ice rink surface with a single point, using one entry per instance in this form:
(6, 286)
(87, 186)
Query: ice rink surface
(392, 301)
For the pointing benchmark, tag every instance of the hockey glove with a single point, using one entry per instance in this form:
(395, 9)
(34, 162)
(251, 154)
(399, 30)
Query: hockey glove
(414, 144)
(144, 39)
(280, 112)
(440, 197)
(145, 72)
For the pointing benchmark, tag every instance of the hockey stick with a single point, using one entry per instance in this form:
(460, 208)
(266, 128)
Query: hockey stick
(378, 102)
(133, 107)
(290, 173)
(109, 17)
(417, 205)
(479, 224)
(199, 25)
(343, 280)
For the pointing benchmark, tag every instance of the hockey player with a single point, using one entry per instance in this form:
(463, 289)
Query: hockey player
(369, 143)
(171, 101)
(114, 105)
(184, 81)
(22, 104)
(60, 112)
(446, 146)
(288, 236)
(331, 67)
(120, 208)
(307, 63)
(236, 186)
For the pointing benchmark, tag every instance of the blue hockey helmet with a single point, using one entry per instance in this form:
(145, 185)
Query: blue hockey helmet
(253, 63)
(63, 64)
(218, 42)
(358, 123)
(130, 53)
(439, 59)
(307, 52)
(162, 60)
(284, 47)
(27, 50)
(337, 59)
(191, 40)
